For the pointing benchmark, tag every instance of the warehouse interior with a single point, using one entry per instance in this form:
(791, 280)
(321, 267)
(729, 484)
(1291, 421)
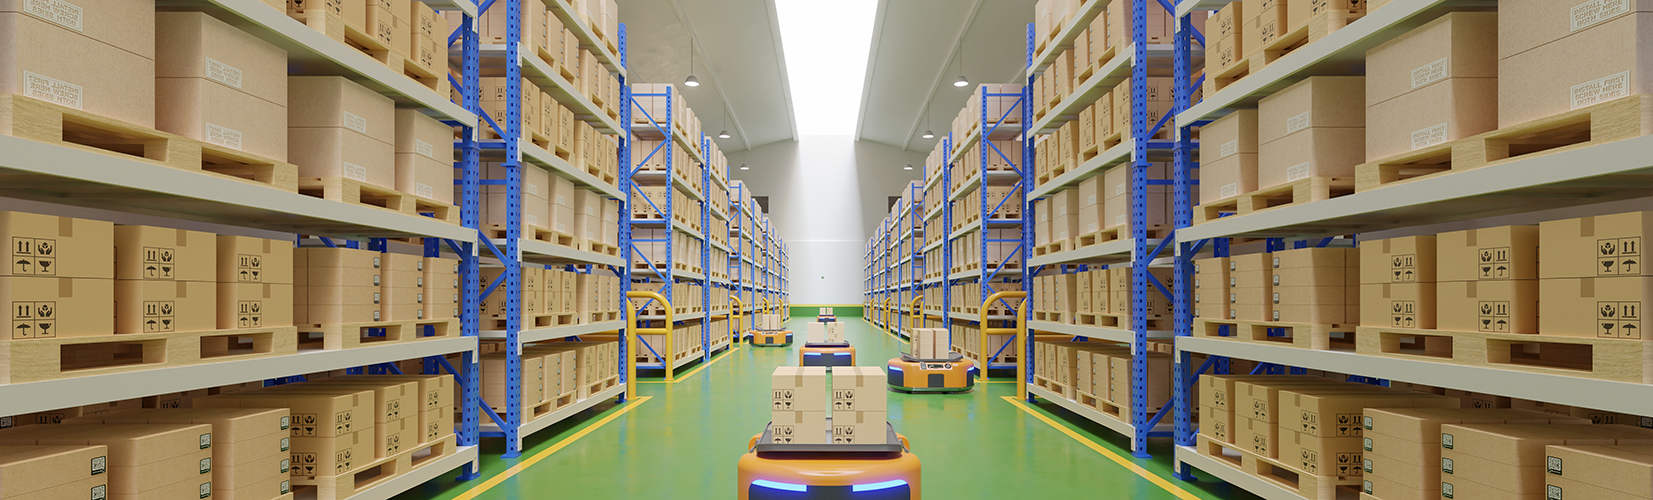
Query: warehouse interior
(784, 250)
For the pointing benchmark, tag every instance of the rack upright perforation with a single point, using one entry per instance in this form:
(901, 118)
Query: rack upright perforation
(514, 149)
(1519, 191)
(1130, 63)
(127, 186)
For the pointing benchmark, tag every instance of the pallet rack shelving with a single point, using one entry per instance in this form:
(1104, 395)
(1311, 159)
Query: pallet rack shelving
(1521, 191)
(758, 264)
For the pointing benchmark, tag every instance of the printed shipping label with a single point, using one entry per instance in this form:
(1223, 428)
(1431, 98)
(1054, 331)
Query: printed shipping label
(223, 136)
(1298, 122)
(423, 190)
(1601, 90)
(1430, 136)
(1298, 171)
(354, 171)
(354, 122)
(1429, 73)
(1595, 12)
(56, 12)
(1120, 189)
(52, 90)
(1229, 190)
(1228, 149)
(223, 73)
(424, 148)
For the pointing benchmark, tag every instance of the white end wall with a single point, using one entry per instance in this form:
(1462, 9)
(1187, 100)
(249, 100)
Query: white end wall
(827, 195)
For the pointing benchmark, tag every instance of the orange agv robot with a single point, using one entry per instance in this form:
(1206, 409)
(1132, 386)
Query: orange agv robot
(873, 471)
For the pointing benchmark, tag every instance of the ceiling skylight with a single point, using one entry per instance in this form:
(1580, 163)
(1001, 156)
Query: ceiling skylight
(826, 46)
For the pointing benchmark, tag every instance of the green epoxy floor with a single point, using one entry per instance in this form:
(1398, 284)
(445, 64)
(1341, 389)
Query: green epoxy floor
(683, 442)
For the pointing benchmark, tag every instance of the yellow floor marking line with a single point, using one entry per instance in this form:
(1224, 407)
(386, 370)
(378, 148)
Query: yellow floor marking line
(524, 465)
(680, 378)
(1132, 466)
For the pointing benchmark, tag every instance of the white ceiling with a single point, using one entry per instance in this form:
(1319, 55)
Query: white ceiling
(913, 61)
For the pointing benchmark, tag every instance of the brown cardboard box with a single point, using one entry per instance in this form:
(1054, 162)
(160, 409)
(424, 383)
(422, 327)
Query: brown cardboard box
(66, 247)
(1498, 253)
(495, 384)
(332, 455)
(1333, 414)
(1230, 177)
(30, 469)
(58, 307)
(1257, 436)
(799, 389)
(1434, 84)
(1488, 306)
(1218, 424)
(254, 260)
(1551, 58)
(1332, 109)
(1398, 260)
(1608, 307)
(1311, 152)
(165, 306)
(254, 305)
(337, 128)
(1398, 305)
(1339, 456)
(156, 253)
(1457, 108)
(1625, 471)
(1457, 466)
(1523, 445)
(1562, 489)
(313, 415)
(392, 399)
(1605, 245)
(97, 56)
(798, 427)
(1376, 486)
(435, 391)
(1234, 133)
(424, 156)
(219, 84)
(1259, 399)
(860, 427)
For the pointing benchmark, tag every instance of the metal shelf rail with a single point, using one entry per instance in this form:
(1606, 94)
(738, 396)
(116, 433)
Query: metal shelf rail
(1138, 250)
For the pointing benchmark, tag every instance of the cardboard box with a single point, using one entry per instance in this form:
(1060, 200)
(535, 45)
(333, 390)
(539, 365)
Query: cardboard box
(254, 305)
(1316, 455)
(858, 389)
(1605, 245)
(66, 247)
(1331, 111)
(337, 128)
(1551, 57)
(45, 307)
(392, 399)
(1332, 414)
(1488, 306)
(1625, 471)
(1398, 305)
(313, 415)
(860, 427)
(798, 427)
(799, 389)
(1398, 260)
(38, 469)
(1259, 399)
(1257, 436)
(1434, 84)
(254, 260)
(1609, 307)
(155, 253)
(332, 455)
(1218, 424)
(165, 306)
(424, 156)
(1498, 253)
(219, 84)
(93, 55)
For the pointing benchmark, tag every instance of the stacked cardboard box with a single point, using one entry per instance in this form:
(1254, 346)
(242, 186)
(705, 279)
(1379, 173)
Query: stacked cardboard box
(395, 410)
(145, 461)
(1315, 285)
(1091, 201)
(331, 432)
(1229, 147)
(1212, 279)
(531, 301)
(1219, 402)
(338, 128)
(164, 280)
(1120, 293)
(428, 44)
(495, 382)
(1487, 280)
(1116, 186)
(1160, 99)
(218, 84)
(1604, 472)
(434, 401)
(1551, 58)
(256, 282)
(402, 287)
(1591, 281)
(60, 282)
(249, 446)
(1314, 128)
(1398, 282)
(537, 186)
(798, 405)
(1511, 461)
(1224, 30)
(96, 56)
(1320, 428)
(495, 99)
(1437, 83)
(340, 285)
(45, 471)
(424, 156)
(1402, 446)
(929, 343)
(859, 405)
(442, 300)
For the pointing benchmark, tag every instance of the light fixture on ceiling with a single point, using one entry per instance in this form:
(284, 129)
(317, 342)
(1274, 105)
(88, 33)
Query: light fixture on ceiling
(908, 167)
(691, 81)
(962, 81)
(744, 167)
(723, 134)
(927, 133)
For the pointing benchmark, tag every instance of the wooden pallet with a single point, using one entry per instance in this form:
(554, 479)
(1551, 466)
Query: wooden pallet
(1107, 407)
(374, 473)
(599, 317)
(1292, 193)
(587, 390)
(354, 192)
(1053, 386)
(1053, 247)
(1107, 320)
(1118, 233)
(1624, 360)
(1312, 31)
(36, 120)
(1052, 316)
(354, 335)
(30, 360)
(1615, 120)
(498, 231)
(1274, 471)
(540, 320)
(552, 60)
(1314, 336)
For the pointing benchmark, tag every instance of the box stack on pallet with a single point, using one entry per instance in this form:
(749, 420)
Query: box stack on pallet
(1097, 375)
(800, 408)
